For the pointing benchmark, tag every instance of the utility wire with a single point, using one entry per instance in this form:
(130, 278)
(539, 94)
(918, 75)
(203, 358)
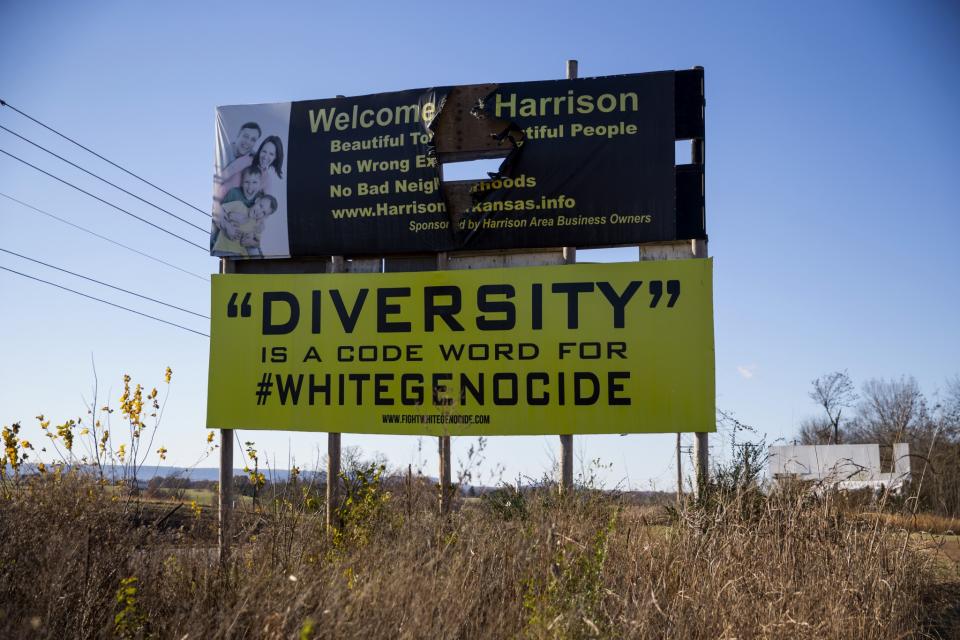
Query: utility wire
(4, 103)
(121, 209)
(97, 235)
(105, 284)
(112, 304)
(115, 186)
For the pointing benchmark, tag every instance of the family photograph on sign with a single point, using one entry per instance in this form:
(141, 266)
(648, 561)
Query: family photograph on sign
(250, 197)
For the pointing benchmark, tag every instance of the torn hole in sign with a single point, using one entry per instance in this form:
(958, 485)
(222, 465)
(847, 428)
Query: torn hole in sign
(483, 169)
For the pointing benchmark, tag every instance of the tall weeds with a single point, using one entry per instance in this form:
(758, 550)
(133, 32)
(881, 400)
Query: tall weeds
(79, 560)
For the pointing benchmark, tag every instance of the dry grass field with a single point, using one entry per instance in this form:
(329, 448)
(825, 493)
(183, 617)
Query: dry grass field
(81, 560)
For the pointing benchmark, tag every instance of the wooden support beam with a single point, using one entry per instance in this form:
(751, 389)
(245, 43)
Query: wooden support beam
(337, 265)
(566, 440)
(701, 450)
(225, 510)
(679, 472)
(446, 486)
(446, 493)
(566, 463)
(225, 498)
(333, 481)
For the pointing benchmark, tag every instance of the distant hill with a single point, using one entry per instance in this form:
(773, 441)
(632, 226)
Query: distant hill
(210, 473)
(195, 474)
(213, 473)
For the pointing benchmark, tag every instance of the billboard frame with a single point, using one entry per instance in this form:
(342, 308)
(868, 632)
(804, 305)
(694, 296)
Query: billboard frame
(691, 227)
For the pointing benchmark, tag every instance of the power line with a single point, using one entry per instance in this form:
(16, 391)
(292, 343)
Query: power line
(121, 209)
(3, 103)
(111, 241)
(115, 186)
(105, 284)
(112, 304)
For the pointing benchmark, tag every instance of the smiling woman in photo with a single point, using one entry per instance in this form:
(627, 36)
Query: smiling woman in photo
(268, 158)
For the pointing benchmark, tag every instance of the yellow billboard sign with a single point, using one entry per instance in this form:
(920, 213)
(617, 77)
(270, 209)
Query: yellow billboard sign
(587, 348)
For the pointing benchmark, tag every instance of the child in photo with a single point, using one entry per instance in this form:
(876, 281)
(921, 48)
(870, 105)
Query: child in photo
(241, 226)
(246, 195)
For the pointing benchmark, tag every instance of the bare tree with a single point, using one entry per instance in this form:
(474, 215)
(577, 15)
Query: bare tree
(816, 430)
(834, 392)
(892, 411)
(950, 407)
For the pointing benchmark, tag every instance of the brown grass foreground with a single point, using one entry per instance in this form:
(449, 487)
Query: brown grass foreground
(79, 561)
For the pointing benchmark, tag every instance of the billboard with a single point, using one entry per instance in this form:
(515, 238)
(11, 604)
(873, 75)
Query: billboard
(602, 348)
(585, 162)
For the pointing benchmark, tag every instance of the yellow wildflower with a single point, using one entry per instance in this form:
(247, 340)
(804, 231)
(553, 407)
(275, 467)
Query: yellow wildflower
(10, 445)
(162, 451)
(131, 406)
(65, 431)
(167, 375)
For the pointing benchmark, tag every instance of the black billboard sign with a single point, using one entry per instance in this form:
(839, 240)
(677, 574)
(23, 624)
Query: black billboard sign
(586, 162)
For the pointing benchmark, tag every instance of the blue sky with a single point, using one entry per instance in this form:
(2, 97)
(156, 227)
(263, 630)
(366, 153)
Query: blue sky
(831, 184)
